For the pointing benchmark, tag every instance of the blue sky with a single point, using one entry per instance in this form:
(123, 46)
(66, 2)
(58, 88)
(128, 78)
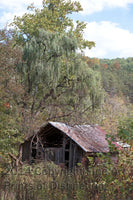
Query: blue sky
(109, 24)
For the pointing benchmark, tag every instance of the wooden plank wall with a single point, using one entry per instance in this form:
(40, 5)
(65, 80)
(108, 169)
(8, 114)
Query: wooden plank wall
(26, 151)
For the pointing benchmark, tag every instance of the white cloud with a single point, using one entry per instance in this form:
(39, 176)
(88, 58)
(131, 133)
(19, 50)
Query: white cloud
(13, 4)
(91, 6)
(18, 7)
(11, 8)
(111, 41)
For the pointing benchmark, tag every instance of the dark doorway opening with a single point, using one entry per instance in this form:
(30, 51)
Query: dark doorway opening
(33, 153)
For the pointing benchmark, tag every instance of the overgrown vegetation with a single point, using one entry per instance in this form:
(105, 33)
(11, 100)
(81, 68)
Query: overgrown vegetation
(48, 181)
(44, 78)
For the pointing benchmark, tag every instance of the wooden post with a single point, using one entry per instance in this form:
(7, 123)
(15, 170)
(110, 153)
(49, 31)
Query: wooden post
(70, 154)
(64, 145)
(58, 156)
(74, 154)
(30, 154)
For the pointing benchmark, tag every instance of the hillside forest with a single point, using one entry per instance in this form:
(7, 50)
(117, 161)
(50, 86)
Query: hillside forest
(45, 76)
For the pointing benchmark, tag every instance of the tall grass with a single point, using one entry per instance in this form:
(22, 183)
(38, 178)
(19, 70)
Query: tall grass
(46, 181)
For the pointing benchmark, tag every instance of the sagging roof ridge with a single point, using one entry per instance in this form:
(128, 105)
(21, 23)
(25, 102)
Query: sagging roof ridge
(91, 147)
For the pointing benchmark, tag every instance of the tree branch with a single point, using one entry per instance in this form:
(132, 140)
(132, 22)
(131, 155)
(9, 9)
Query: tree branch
(42, 101)
(55, 55)
(33, 104)
(64, 115)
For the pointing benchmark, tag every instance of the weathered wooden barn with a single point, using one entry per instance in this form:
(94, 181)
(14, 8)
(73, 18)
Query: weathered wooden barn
(64, 144)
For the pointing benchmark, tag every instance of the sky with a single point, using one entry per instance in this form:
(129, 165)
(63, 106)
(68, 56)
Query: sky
(109, 24)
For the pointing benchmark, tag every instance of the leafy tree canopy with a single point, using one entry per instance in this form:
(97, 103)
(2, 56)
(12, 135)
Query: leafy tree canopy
(53, 16)
(55, 76)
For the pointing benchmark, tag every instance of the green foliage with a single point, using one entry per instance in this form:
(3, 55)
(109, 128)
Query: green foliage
(57, 82)
(54, 17)
(10, 120)
(125, 131)
(56, 79)
(44, 56)
(9, 132)
(117, 76)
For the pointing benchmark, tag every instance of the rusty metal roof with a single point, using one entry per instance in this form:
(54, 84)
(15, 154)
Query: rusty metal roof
(89, 138)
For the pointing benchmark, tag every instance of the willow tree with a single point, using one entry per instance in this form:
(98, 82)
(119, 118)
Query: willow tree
(57, 82)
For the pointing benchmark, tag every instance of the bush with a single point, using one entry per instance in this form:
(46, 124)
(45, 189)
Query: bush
(48, 181)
